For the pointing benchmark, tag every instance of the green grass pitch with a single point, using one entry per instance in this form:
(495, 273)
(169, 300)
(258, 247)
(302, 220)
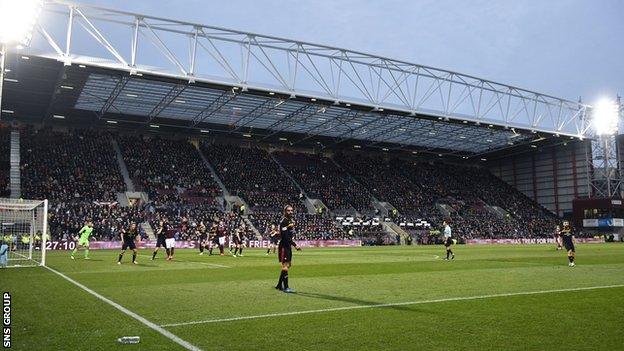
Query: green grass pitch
(338, 290)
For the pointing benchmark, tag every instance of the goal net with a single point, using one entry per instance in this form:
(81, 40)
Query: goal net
(23, 232)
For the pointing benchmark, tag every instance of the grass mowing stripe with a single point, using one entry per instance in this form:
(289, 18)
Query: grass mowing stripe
(357, 307)
(213, 265)
(149, 324)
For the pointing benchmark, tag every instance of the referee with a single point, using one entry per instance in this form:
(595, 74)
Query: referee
(448, 241)
(287, 231)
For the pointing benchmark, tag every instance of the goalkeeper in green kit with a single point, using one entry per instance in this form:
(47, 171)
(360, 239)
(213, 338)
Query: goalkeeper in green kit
(85, 232)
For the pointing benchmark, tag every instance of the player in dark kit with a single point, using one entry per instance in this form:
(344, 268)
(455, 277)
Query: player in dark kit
(202, 238)
(128, 237)
(273, 234)
(213, 238)
(238, 242)
(287, 232)
(568, 242)
(160, 237)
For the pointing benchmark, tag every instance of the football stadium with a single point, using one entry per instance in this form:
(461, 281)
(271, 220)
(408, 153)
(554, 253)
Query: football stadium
(172, 185)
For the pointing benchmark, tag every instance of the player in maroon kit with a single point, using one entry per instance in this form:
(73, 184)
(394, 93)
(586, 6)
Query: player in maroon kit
(222, 235)
(170, 242)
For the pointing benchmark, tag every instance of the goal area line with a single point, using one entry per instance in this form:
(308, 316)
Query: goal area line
(21, 258)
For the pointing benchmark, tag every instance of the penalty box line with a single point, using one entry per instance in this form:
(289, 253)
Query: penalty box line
(422, 302)
(187, 345)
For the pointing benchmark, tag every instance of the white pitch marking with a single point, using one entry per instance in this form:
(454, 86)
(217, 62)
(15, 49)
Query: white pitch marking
(24, 258)
(358, 307)
(187, 345)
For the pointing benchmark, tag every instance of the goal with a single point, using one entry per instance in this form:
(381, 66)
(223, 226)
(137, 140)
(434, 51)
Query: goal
(24, 230)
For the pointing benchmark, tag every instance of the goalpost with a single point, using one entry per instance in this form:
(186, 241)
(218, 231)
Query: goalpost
(24, 229)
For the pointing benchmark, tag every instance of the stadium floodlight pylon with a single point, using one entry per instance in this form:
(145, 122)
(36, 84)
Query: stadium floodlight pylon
(17, 21)
(24, 228)
(605, 162)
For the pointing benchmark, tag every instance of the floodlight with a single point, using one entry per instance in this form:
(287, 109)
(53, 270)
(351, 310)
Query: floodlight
(17, 20)
(605, 117)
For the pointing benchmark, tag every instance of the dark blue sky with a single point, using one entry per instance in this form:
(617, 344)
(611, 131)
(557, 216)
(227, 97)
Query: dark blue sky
(566, 48)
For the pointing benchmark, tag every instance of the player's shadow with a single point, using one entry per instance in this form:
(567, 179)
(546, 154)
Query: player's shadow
(145, 265)
(405, 308)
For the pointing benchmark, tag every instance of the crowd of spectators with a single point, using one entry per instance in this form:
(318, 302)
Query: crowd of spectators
(66, 166)
(309, 226)
(388, 182)
(5, 154)
(169, 171)
(77, 171)
(322, 179)
(251, 174)
(417, 189)
(66, 218)
(188, 219)
(534, 220)
(474, 188)
(254, 175)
